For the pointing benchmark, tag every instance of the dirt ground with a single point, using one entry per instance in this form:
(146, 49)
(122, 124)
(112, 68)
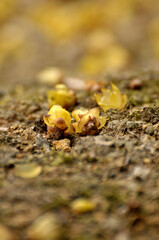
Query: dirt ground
(117, 170)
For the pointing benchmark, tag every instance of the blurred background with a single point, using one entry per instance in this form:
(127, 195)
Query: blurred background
(83, 37)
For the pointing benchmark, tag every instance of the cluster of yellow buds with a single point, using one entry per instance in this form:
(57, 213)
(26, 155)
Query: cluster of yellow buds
(58, 121)
(85, 121)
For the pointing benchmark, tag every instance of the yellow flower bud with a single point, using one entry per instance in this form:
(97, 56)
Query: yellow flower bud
(88, 121)
(58, 122)
(62, 96)
(108, 99)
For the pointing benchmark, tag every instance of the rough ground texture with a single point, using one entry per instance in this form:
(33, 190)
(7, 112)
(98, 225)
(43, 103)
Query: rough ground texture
(117, 170)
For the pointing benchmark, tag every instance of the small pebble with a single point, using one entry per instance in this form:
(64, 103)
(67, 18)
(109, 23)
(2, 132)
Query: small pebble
(20, 155)
(131, 125)
(135, 84)
(50, 75)
(73, 83)
(63, 144)
(140, 173)
(122, 236)
(149, 130)
(113, 124)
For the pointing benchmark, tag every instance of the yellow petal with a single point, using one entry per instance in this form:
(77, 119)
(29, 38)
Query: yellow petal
(70, 128)
(111, 98)
(124, 100)
(93, 112)
(83, 121)
(114, 88)
(102, 121)
(79, 112)
(47, 120)
(58, 112)
(76, 127)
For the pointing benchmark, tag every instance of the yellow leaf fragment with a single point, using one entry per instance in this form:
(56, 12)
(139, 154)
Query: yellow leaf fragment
(108, 99)
(88, 121)
(61, 96)
(82, 205)
(58, 122)
(44, 227)
(28, 170)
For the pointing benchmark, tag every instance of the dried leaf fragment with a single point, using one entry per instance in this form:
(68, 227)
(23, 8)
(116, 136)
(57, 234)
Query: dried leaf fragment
(28, 170)
(113, 98)
(61, 96)
(88, 121)
(58, 122)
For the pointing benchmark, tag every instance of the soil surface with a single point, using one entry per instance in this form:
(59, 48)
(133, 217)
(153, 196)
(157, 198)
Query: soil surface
(116, 170)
